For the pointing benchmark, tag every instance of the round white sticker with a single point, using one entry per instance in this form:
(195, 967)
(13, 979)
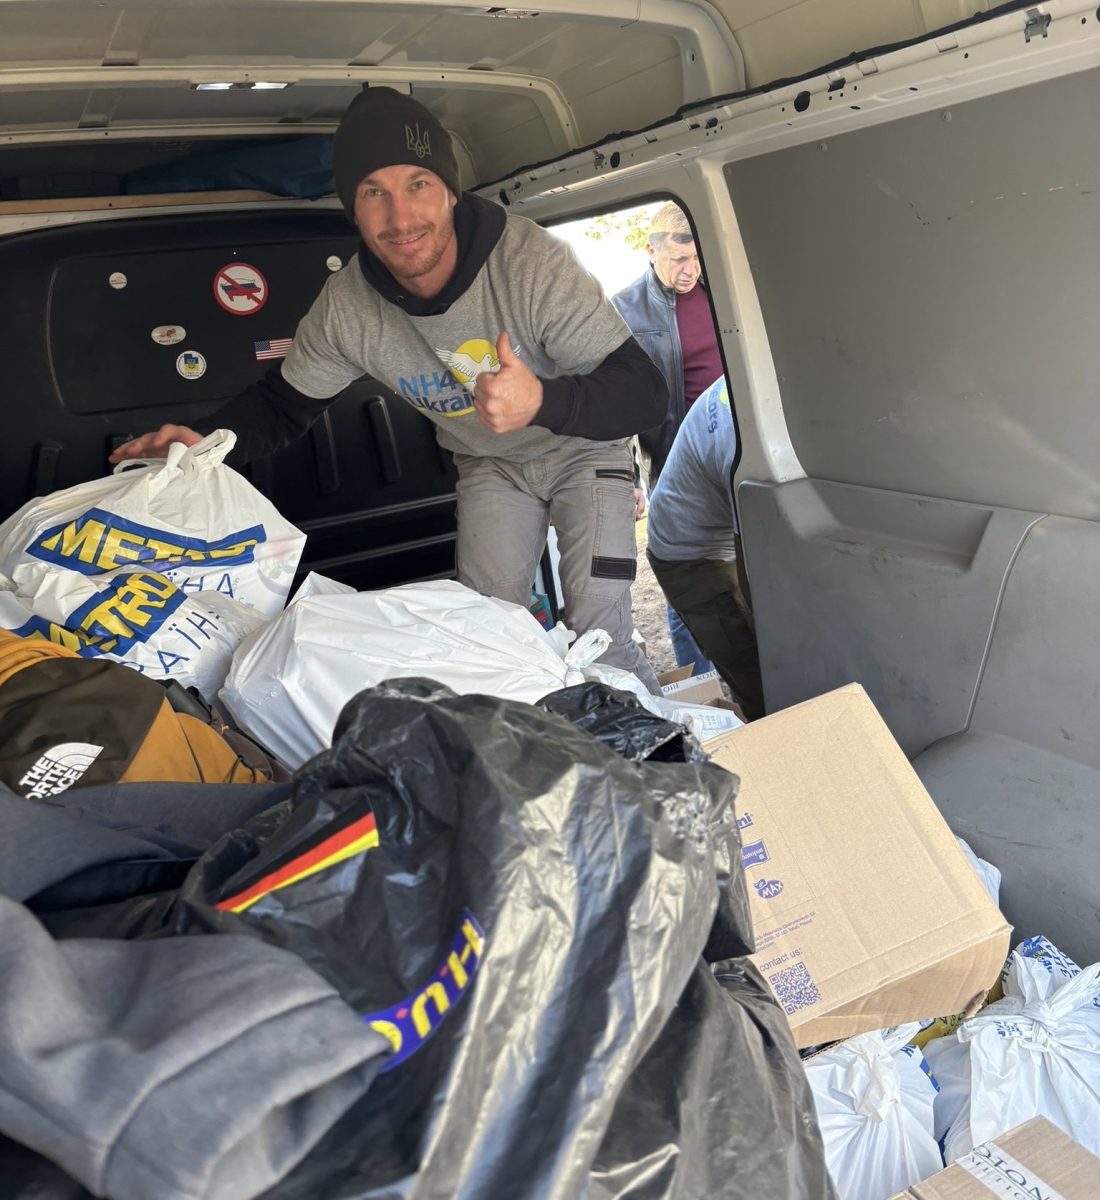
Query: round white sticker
(117, 280)
(168, 335)
(240, 289)
(334, 262)
(191, 364)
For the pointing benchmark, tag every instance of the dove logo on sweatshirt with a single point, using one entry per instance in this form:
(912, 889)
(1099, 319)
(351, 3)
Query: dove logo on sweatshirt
(449, 392)
(471, 359)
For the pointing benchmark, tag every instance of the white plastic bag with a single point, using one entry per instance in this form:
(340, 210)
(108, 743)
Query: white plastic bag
(321, 585)
(704, 720)
(146, 623)
(289, 682)
(1034, 1053)
(165, 567)
(187, 517)
(874, 1105)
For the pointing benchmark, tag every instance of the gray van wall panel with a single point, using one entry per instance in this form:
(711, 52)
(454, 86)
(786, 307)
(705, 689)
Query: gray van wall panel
(1042, 681)
(895, 592)
(930, 288)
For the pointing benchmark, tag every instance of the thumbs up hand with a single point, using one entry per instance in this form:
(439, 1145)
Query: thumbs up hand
(508, 398)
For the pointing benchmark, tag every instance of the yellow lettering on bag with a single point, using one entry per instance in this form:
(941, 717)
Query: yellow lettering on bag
(389, 1031)
(163, 549)
(232, 551)
(82, 543)
(473, 939)
(60, 636)
(131, 607)
(100, 541)
(119, 548)
(435, 992)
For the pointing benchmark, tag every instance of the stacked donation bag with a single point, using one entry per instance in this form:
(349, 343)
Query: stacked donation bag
(164, 566)
(122, 601)
(502, 934)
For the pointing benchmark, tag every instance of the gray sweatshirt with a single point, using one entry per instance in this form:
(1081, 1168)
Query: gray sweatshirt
(531, 286)
(188, 1068)
(183, 1068)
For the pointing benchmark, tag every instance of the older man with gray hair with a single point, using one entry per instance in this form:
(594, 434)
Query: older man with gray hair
(668, 311)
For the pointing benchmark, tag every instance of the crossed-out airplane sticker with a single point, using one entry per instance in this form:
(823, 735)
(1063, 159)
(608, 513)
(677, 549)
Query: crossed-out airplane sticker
(240, 289)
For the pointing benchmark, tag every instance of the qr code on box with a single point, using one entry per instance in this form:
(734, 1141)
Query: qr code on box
(794, 988)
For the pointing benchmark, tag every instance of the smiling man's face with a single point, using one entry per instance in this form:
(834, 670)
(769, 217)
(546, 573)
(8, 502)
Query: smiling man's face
(406, 217)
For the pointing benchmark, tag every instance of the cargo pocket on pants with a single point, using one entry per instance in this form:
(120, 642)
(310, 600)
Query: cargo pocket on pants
(614, 546)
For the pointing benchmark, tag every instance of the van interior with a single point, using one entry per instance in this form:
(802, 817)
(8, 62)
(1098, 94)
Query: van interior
(898, 205)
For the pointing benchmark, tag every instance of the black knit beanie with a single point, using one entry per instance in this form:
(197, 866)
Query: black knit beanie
(384, 128)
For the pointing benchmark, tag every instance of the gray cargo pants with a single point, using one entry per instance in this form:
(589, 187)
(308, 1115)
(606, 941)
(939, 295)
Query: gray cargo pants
(505, 510)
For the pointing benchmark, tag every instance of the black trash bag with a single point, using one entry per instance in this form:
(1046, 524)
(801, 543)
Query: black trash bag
(719, 1106)
(29, 1176)
(482, 840)
(522, 912)
(618, 720)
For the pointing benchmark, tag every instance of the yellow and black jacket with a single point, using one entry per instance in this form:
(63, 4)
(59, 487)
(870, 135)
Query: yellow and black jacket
(67, 721)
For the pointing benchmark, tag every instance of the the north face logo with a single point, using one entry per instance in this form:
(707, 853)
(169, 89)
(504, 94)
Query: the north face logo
(58, 769)
(419, 143)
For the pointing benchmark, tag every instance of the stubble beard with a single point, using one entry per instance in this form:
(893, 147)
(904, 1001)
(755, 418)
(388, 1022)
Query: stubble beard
(426, 260)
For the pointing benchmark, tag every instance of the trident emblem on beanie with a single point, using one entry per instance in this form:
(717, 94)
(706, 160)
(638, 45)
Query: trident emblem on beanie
(419, 143)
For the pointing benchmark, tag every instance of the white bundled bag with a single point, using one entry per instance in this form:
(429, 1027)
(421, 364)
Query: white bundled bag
(165, 566)
(874, 1105)
(1035, 1053)
(289, 682)
(187, 517)
(143, 621)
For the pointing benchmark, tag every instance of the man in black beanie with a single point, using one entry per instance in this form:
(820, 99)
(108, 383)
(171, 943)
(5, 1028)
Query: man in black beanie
(490, 327)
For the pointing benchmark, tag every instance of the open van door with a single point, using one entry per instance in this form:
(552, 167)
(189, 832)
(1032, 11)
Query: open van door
(902, 248)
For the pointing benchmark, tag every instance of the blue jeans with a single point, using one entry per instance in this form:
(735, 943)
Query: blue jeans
(684, 647)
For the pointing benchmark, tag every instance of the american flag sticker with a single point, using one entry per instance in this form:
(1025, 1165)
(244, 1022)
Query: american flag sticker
(276, 349)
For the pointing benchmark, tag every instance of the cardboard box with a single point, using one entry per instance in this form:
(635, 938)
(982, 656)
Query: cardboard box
(865, 910)
(1034, 1161)
(683, 687)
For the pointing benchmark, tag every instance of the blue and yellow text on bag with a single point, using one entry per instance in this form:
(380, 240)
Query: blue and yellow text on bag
(409, 1023)
(128, 610)
(99, 541)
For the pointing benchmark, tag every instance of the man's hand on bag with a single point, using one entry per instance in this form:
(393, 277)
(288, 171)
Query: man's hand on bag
(639, 502)
(509, 398)
(155, 445)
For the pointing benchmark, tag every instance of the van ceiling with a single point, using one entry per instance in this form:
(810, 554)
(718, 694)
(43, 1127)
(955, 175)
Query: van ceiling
(515, 85)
